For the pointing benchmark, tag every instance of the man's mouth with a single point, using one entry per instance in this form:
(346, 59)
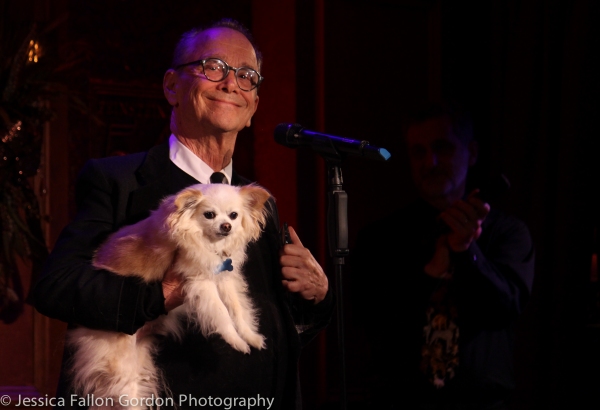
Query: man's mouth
(435, 174)
(227, 102)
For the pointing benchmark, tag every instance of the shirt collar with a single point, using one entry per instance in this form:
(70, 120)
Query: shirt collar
(191, 164)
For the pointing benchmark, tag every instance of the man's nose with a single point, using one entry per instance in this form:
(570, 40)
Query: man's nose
(229, 82)
(431, 158)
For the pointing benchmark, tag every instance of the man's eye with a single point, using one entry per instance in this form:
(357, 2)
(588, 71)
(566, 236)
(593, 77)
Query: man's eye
(417, 151)
(233, 215)
(443, 147)
(209, 215)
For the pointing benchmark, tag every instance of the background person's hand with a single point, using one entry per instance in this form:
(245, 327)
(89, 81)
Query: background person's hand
(464, 218)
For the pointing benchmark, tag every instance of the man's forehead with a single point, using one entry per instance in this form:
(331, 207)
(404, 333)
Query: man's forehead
(222, 42)
(433, 129)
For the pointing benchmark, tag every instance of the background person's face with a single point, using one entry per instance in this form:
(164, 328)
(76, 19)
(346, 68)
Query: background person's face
(439, 161)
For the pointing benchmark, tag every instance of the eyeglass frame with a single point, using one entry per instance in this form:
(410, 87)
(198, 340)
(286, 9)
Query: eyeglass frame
(228, 68)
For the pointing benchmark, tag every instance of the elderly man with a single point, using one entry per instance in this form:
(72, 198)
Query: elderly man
(213, 89)
(456, 276)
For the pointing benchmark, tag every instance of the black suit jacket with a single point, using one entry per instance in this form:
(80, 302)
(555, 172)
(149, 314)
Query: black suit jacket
(117, 191)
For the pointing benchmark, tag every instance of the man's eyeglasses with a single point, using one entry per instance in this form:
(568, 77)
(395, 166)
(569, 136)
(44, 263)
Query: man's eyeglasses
(216, 70)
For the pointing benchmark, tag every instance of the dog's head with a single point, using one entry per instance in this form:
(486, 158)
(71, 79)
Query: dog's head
(219, 212)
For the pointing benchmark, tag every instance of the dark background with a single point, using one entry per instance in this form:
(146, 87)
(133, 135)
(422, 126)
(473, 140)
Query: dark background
(526, 69)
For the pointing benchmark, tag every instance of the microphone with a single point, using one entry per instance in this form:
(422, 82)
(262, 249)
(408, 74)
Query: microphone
(294, 135)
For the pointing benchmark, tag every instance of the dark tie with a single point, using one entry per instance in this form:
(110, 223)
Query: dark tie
(218, 178)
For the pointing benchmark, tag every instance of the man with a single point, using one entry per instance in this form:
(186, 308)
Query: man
(449, 276)
(212, 87)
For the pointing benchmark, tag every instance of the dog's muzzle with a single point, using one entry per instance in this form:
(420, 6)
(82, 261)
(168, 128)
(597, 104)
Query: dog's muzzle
(225, 228)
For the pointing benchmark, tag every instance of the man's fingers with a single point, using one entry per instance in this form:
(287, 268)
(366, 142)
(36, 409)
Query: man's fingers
(481, 208)
(469, 210)
(455, 223)
(459, 216)
(291, 261)
(294, 237)
(290, 272)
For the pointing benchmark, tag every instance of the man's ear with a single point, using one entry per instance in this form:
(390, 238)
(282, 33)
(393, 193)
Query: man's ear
(255, 107)
(170, 86)
(473, 152)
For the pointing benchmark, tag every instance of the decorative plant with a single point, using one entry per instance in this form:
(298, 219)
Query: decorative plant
(28, 80)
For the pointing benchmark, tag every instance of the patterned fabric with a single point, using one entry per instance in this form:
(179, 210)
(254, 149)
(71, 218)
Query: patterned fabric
(439, 354)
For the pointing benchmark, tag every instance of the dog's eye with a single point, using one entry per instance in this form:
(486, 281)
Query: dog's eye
(209, 215)
(233, 215)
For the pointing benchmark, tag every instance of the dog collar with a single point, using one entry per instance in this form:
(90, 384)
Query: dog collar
(223, 266)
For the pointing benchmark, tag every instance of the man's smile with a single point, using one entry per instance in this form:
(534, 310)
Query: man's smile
(224, 101)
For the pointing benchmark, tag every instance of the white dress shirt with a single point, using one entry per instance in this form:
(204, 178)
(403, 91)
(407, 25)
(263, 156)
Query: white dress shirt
(192, 165)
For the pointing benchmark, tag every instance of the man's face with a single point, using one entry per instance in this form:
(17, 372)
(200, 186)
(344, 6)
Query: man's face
(202, 106)
(439, 161)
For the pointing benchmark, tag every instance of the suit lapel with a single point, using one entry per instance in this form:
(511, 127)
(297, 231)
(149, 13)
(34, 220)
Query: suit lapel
(158, 178)
(238, 180)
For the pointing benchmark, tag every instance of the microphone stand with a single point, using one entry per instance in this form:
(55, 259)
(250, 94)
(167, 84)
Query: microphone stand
(337, 227)
(294, 135)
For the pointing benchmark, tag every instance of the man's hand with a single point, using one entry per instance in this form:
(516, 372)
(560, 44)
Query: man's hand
(464, 218)
(439, 265)
(301, 272)
(172, 290)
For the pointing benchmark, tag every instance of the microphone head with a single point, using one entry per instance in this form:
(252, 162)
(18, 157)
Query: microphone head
(288, 134)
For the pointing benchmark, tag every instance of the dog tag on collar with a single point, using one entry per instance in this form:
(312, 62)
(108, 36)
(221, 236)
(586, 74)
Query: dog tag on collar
(225, 265)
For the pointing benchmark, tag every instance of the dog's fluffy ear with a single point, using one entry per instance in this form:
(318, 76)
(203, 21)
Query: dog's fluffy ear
(182, 208)
(187, 199)
(255, 198)
(144, 249)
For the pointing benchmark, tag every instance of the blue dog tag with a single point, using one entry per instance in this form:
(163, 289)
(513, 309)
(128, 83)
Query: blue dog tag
(225, 265)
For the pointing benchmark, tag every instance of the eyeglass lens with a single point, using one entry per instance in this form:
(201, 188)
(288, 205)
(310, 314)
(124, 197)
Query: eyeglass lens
(216, 70)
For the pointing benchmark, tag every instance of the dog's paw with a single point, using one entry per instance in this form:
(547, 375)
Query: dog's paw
(242, 347)
(256, 340)
(237, 343)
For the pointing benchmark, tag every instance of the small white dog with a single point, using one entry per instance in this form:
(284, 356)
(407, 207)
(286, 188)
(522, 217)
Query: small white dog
(201, 233)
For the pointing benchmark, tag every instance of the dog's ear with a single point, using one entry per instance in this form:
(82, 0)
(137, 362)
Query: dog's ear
(255, 198)
(187, 199)
(182, 207)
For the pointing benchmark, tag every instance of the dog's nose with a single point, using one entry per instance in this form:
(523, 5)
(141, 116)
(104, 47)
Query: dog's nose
(226, 227)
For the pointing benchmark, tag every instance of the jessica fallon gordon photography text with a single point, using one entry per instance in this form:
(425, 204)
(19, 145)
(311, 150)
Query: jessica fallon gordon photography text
(150, 402)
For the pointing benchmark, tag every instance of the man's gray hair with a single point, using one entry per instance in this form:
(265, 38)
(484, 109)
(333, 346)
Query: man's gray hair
(460, 117)
(186, 44)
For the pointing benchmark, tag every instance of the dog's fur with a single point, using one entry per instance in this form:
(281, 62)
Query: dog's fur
(192, 232)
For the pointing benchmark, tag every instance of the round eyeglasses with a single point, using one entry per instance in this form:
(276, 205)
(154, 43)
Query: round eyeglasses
(216, 70)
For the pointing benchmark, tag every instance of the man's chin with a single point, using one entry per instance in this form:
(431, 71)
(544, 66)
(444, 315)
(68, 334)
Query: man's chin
(223, 125)
(435, 190)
